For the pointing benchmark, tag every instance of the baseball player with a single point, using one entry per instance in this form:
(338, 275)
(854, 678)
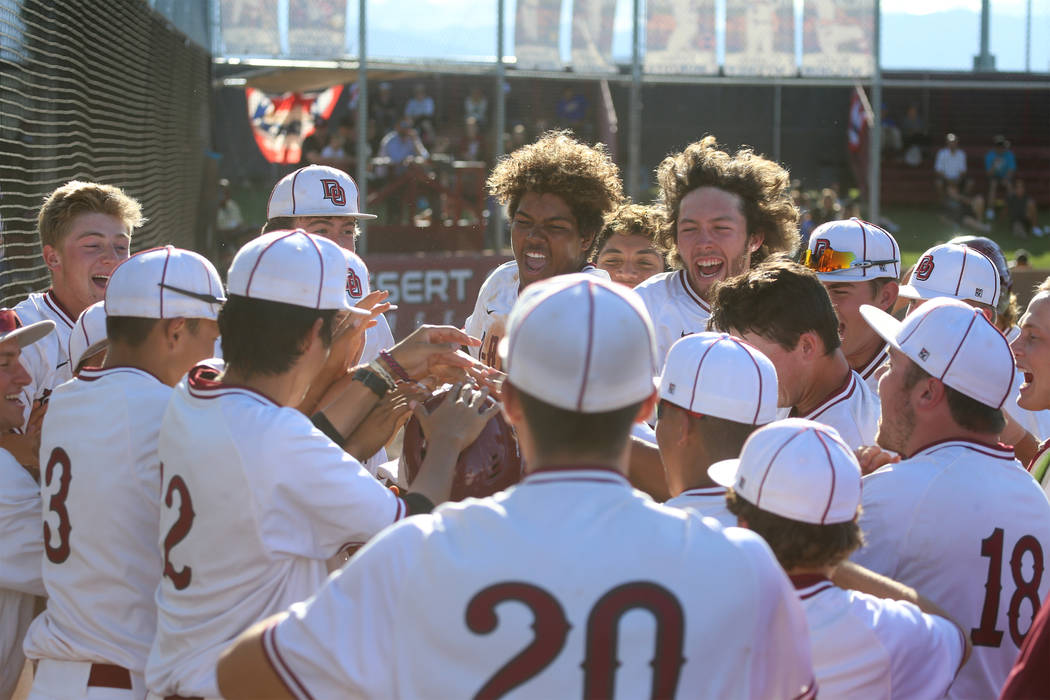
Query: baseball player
(798, 485)
(99, 446)
(255, 498)
(85, 230)
(714, 391)
(626, 247)
(557, 191)
(88, 341)
(1032, 356)
(21, 546)
(783, 310)
(724, 213)
(858, 263)
(528, 590)
(958, 518)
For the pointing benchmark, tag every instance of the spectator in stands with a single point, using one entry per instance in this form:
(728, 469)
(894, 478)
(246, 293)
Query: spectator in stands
(830, 208)
(1000, 166)
(963, 210)
(1023, 212)
(402, 145)
(519, 137)
(471, 146)
(476, 106)
(950, 166)
(892, 139)
(913, 136)
(1020, 261)
(626, 246)
(314, 143)
(572, 109)
(420, 109)
(383, 111)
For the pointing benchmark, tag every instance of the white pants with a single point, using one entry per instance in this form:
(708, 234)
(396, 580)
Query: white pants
(68, 680)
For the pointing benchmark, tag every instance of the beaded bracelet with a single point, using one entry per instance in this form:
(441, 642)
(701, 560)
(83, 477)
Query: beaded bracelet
(379, 370)
(395, 368)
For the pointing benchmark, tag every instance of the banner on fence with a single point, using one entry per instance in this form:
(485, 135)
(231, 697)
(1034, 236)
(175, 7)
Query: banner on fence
(680, 37)
(249, 28)
(760, 37)
(592, 34)
(537, 29)
(281, 122)
(317, 28)
(838, 38)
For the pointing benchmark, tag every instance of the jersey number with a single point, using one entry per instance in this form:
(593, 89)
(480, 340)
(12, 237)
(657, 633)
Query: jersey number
(57, 505)
(181, 578)
(992, 547)
(551, 628)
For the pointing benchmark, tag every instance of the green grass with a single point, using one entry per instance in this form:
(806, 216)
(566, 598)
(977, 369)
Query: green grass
(922, 227)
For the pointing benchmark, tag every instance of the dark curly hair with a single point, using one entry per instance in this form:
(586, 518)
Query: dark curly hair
(584, 176)
(795, 543)
(632, 220)
(763, 186)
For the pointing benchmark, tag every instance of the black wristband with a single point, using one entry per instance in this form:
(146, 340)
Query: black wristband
(371, 380)
(321, 422)
(417, 503)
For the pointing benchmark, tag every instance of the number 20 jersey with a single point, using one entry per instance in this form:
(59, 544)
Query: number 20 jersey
(605, 592)
(100, 480)
(966, 526)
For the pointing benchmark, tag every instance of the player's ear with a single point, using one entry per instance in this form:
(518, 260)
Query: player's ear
(647, 408)
(511, 406)
(810, 345)
(312, 336)
(51, 257)
(755, 241)
(887, 296)
(933, 391)
(174, 328)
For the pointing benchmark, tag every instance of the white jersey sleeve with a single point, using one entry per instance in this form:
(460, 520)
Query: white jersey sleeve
(21, 546)
(488, 321)
(853, 410)
(47, 360)
(674, 308)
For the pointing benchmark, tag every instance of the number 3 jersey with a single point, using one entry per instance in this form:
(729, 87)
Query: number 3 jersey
(966, 526)
(570, 584)
(100, 479)
(255, 499)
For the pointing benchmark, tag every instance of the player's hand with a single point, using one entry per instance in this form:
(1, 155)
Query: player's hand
(386, 418)
(871, 457)
(459, 419)
(488, 378)
(434, 350)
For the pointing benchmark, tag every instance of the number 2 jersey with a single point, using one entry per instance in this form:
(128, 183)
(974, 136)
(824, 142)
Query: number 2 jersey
(254, 500)
(100, 486)
(965, 525)
(569, 584)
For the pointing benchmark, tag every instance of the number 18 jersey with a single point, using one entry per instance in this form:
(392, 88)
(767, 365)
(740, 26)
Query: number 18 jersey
(965, 525)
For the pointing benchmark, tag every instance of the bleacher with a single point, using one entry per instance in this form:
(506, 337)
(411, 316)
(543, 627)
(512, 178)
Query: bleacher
(975, 116)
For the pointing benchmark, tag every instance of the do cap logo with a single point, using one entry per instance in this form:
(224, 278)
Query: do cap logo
(822, 245)
(924, 269)
(334, 191)
(353, 284)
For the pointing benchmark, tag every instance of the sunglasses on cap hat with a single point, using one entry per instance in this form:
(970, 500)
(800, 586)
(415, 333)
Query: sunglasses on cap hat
(660, 410)
(209, 298)
(831, 260)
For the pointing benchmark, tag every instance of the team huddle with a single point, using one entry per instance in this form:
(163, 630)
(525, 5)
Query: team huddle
(774, 471)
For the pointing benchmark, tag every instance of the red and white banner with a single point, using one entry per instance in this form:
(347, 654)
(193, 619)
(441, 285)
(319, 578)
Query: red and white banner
(317, 28)
(592, 35)
(249, 27)
(281, 122)
(760, 37)
(436, 288)
(680, 37)
(838, 38)
(537, 29)
(858, 130)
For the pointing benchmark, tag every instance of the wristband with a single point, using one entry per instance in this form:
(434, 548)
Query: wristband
(377, 367)
(373, 381)
(321, 422)
(395, 368)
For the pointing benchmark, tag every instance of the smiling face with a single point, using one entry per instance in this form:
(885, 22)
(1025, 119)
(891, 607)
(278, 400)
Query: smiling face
(859, 342)
(712, 237)
(341, 230)
(629, 259)
(1031, 352)
(82, 261)
(13, 377)
(546, 238)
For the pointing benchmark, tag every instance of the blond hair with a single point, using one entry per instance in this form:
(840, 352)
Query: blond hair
(78, 197)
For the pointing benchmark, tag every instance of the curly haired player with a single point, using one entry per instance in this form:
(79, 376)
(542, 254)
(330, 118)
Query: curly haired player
(724, 214)
(557, 192)
(626, 247)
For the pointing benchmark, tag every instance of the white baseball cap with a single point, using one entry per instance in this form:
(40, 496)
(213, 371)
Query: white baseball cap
(315, 190)
(166, 282)
(955, 343)
(722, 376)
(797, 469)
(292, 267)
(357, 286)
(89, 334)
(956, 271)
(11, 328)
(580, 343)
(852, 251)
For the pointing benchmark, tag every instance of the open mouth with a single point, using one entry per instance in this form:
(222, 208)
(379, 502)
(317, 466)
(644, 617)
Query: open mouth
(100, 280)
(15, 399)
(1028, 379)
(709, 267)
(535, 260)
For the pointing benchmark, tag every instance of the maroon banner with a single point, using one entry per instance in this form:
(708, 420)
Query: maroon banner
(431, 288)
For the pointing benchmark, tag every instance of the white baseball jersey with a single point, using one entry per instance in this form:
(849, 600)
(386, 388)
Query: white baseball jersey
(255, 500)
(541, 569)
(21, 549)
(853, 409)
(675, 309)
(708, 501)
(870, 372)
(962, 522)
(101, 484)
(874, 648)
(46, 360)
(496, 297)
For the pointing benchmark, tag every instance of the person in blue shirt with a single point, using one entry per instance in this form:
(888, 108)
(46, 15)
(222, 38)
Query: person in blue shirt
(1000, 166)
